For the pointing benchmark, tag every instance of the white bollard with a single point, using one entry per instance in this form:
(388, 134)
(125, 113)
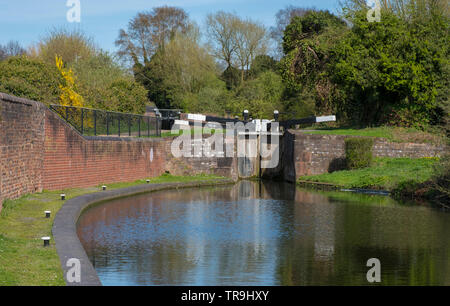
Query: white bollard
(46, 241)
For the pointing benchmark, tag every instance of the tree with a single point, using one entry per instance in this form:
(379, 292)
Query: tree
(71, 46)
(250, 40)
(150, 31)
(105, 85)
(393, 71)
(236, 41)
(283, 19)
(308, 43)
(262, 63)
(183, 67)
(126, 95)
(407, 10)
(12, 48)
(260, 96)
(221, 29)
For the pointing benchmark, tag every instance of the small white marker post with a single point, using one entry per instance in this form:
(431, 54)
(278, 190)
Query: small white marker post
(245, 115)
(63, 196)
(276, 115)
(48, 213)
(46, 241)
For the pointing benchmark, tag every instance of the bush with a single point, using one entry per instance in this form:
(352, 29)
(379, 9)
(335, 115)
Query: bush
(127, 96)
(71, 45)
(358, 152)
(441, 180)
(31, 79)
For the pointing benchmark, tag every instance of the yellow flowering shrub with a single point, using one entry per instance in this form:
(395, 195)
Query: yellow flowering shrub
(68, 97)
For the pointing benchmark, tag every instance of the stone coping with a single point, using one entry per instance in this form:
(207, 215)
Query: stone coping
(14, 99)
(64, 228)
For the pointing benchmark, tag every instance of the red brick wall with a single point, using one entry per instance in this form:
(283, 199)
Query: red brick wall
(21, 144)
(71, 160)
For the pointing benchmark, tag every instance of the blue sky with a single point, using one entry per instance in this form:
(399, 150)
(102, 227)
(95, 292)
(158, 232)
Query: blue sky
(28, 20)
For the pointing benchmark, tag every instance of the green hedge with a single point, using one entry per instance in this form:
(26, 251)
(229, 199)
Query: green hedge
(358, 152)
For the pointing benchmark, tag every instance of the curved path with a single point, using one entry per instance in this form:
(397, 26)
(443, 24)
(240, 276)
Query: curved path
(64, 228)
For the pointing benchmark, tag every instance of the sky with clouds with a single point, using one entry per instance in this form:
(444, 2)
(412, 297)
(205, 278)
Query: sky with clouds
(28, 20)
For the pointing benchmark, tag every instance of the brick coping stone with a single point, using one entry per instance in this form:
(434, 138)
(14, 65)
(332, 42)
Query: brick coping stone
(64, 228)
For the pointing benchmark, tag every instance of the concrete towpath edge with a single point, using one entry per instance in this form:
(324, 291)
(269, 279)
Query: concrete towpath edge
(64, 228)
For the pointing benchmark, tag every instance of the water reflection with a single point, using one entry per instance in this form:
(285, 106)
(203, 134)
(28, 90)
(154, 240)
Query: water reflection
(265, 233)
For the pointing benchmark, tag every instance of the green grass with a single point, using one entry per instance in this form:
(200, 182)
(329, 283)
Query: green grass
(394, 134)
(385, 174)
(23, 259)
(165, 178)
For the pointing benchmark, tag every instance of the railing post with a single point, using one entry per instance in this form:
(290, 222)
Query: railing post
(158, 126)
(148, 126)
(139, 126)
(67, 114)
(119, 124)
(82, 121)
(95, 122)
(107, 124)
(129, 125)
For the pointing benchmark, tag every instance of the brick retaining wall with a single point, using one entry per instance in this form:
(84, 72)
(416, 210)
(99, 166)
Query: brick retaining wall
(21, 146)
(310, 154)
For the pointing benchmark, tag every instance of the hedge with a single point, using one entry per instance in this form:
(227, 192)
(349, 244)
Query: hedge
(358, 152)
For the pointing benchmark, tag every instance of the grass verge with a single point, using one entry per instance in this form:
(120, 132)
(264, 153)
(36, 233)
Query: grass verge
(23, 259)
(385, 174)
(394, 134)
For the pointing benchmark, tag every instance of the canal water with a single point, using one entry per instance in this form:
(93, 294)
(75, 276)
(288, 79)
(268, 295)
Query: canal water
(265, 233)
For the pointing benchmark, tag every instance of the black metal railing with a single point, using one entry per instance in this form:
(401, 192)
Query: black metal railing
(95, 122)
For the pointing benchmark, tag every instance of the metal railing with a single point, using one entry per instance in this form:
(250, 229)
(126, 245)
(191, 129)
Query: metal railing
(95, 122)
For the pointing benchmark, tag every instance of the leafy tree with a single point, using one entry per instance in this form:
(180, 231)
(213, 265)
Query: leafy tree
(283, 19)
(106, 85)
(71, 46)
(308, 43)
(183, 67)
(263, 63)
(91, 77)
(260, 96)
(30, 78)
(232, 77)
(392, 71)
(126, 95)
